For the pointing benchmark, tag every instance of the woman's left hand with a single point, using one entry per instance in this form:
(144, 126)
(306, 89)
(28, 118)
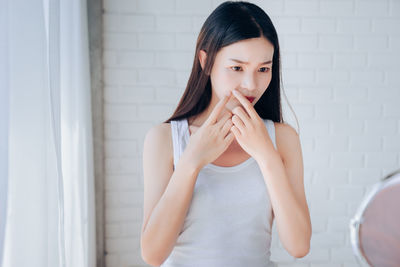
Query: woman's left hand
(249, 129)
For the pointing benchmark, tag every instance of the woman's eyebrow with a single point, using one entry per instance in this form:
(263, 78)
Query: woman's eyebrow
(243, 62)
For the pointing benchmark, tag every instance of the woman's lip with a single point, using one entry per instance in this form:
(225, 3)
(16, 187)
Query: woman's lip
(250, 98)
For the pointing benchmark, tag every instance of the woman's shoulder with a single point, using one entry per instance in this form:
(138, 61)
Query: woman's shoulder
(159, 131)
(286, 137)
(285, 130)
(159, 137)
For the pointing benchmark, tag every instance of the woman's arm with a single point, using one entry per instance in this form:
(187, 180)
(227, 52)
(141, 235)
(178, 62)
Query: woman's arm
(283, 175)
(167, 195)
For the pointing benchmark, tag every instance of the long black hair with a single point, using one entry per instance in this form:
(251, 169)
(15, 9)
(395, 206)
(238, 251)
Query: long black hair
(230, 22)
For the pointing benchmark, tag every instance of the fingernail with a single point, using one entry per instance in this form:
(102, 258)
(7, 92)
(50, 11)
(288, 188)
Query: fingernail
(235, 91)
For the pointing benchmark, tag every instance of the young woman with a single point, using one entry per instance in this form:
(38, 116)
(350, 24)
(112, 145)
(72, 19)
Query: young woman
(224, 165)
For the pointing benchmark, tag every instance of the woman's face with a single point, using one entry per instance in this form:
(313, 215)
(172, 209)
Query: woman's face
(246, 66)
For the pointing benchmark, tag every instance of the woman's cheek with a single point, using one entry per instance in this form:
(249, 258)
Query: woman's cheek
(224, 82)
(230, 81)
(225, 86)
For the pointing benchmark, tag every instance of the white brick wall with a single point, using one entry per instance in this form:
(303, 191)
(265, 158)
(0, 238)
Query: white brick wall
(340, 72)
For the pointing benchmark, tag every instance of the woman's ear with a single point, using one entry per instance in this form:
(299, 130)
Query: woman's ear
(202, 58)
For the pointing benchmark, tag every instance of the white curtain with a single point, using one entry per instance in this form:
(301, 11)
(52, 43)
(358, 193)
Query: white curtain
(47, 213)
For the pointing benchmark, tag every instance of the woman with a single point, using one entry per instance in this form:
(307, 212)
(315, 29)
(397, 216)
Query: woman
(225, 165)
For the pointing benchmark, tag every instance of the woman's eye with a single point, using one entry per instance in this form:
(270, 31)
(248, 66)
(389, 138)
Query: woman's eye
(264, 69)
(238, 68)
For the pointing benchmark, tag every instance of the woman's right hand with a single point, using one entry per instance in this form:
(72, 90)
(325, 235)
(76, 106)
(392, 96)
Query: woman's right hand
(212, 138)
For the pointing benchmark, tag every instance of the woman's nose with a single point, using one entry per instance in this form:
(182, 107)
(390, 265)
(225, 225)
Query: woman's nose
(249, 81)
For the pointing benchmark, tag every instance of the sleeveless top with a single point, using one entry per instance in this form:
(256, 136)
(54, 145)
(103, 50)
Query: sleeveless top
(229, 220)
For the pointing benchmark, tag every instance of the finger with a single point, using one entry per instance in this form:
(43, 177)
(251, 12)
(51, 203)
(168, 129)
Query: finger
(228, 139)
(227, 126)
(235, 131)
(239, 112)
(222, 121)
(217, 110)
(238, 123)
(245, 103)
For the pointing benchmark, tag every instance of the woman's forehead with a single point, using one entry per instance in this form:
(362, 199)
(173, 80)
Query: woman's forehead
(248, 50)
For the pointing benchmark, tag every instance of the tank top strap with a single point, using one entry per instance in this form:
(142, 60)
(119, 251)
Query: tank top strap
(178, 131)
(271, 130)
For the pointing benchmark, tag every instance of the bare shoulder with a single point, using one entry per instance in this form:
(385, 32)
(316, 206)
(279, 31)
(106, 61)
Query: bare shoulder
(285, 130)
(158, 138)
(160, 133)
(162, 128)
(287, 140)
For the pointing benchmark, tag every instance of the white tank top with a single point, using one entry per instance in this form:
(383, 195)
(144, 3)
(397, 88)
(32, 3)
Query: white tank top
(229, 220)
